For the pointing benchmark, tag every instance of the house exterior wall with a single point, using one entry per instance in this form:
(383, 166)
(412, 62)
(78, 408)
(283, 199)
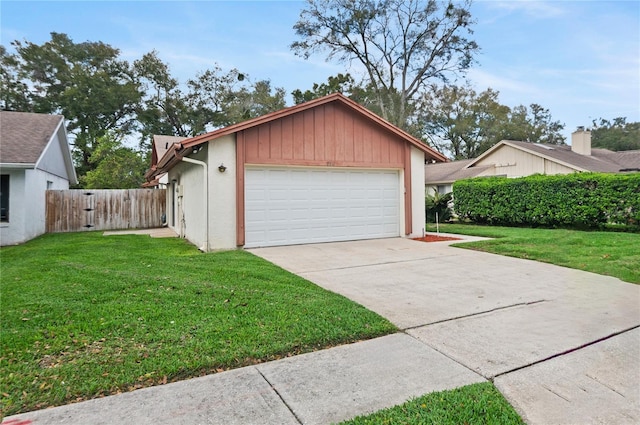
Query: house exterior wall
(52, 159)
(511, 162)
(222, 193)
(551, 167)
(12, 232)
(188, 217)
(417, 193)
(27, 212)
(197, 210)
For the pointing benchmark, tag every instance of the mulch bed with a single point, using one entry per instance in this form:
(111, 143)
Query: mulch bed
(434, 238)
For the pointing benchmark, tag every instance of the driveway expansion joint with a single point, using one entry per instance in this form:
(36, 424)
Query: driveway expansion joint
(569, 351)
(475, 314)
(382, 263)
(280, 396)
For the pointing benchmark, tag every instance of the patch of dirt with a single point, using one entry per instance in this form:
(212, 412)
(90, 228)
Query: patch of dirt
(435, 238)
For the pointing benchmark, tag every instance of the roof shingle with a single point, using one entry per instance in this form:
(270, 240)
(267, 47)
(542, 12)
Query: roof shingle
(24, 135)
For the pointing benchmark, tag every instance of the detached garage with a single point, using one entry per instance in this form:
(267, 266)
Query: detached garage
(323, 171)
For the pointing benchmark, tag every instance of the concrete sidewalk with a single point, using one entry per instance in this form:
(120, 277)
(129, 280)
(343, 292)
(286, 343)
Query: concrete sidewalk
(323, 387)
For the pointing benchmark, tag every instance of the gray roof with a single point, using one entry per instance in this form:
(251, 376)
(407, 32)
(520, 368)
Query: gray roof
(625, 159)
(24, 135)
(600, 160)
(447, 172)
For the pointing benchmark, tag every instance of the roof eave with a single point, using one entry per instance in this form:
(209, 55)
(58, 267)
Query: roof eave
(18, 165)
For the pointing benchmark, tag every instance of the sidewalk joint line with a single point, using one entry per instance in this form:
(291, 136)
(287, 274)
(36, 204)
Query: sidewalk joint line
(475, 314)
(449, 357)
(273, 387)
(569, 351)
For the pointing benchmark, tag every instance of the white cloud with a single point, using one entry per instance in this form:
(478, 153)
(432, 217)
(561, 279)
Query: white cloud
(483, 80)
(535, 9)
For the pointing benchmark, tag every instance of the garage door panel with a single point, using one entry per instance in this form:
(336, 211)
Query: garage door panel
(306, 205)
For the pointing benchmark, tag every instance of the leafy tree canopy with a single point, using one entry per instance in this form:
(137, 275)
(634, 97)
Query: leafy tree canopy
(615, 135)
(86, 82)
(400, 45)
(101, 95)
(213, 98)
(464, 123)
(116, 166)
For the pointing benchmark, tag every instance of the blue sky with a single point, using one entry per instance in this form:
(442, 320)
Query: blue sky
(579, 59)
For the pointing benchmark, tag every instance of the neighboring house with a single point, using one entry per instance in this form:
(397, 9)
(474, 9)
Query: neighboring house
(325, 170)
(34, 157)
(160, 147)
(518, 159)
(439, 177)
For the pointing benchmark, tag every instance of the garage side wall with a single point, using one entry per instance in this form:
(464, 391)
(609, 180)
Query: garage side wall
(222, 193)
(417, 192)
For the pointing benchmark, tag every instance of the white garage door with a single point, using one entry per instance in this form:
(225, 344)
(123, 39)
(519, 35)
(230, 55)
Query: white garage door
(287, 206)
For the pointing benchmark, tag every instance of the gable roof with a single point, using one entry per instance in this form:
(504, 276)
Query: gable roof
(448, 172)
(600, 160)
(161, 145)
(179, 150)
(24, 135)
(25, 139)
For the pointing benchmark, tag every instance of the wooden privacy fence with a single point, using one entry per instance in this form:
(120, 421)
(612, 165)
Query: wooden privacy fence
(80, 210)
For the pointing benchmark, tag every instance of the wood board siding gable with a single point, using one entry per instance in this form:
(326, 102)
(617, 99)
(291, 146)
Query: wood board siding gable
(328, 135)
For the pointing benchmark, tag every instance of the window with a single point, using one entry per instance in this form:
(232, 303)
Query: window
(49, 184)
(443, 189)
(4, 198)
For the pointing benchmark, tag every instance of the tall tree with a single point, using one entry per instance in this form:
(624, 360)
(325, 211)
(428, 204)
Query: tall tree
(464, 124)
(14, 90)
(213, 98)
(341, 83)
(116, 166)
(252, 101)
(616, 135)
(401, 44)
(86, 82)
(164, 108)
(533, 124)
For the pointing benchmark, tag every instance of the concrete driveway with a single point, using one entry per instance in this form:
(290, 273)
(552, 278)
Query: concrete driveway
(562, 345)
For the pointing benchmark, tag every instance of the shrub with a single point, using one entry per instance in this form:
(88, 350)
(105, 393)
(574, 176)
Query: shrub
(438, 203)
(583, 200)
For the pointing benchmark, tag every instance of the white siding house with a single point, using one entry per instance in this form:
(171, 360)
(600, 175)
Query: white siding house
(34, 157)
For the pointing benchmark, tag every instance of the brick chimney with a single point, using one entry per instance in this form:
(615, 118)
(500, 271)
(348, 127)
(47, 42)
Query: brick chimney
(581, 141)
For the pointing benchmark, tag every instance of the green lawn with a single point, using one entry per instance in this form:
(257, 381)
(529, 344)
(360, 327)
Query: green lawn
(471, 405)
(608, 253)
(83, 315)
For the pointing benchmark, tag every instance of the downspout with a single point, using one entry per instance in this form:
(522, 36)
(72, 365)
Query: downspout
(205, 246)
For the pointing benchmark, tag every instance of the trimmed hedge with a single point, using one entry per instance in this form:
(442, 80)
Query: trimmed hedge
(583, 200)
